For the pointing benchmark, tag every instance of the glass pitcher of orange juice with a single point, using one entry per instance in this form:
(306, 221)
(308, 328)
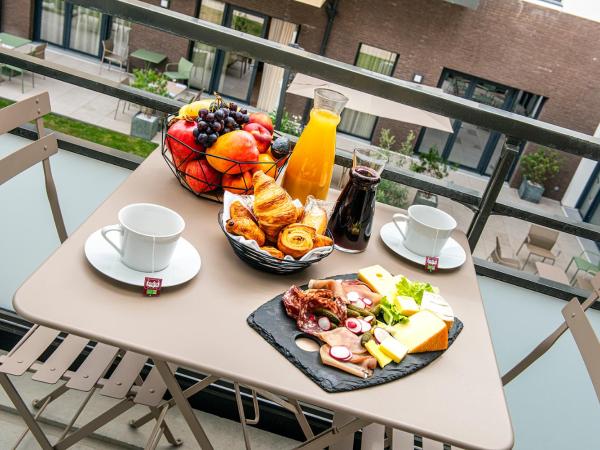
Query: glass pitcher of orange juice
(310, 167)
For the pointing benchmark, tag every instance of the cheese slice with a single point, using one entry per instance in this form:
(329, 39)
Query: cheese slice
(373, 348)
(424, 332)
(377, 278)
(439, 306)
(406, 306)
(394, 349)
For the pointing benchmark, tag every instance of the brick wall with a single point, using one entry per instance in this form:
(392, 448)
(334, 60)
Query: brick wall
(17, 17)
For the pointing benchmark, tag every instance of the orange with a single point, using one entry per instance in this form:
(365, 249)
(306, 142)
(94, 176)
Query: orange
(266, 164)
(238, 184)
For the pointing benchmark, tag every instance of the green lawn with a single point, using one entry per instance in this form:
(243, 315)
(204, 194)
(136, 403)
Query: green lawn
(94, 133)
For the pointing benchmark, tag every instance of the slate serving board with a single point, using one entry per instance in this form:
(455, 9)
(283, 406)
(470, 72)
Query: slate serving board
(273, 324)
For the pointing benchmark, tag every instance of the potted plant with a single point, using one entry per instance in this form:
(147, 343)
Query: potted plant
(432, 164)
(537, 167)
(390, 192)
(144, 124)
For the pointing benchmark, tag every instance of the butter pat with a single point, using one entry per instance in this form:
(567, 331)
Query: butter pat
(407, 306)
(439, 306)
(373, 348)
(377, 278)
(424, 332)
(394, 349)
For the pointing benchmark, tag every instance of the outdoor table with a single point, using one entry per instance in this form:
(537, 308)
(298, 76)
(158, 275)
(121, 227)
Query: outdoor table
(457, 399)
(148, 56)
(11, 41)
(551, 272)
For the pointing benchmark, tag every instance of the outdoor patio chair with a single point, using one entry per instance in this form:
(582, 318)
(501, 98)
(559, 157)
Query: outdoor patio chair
(110, 56)
(503, 253)
(540, 241)
(38, 51)
(588, 283)
(125, 382)
(184, 70)
(585, 264)
(583, 334)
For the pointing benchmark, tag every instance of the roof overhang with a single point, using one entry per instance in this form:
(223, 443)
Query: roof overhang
(471, 4)
(316, 3)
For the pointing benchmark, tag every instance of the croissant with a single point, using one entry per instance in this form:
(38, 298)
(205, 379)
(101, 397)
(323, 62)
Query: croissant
(247, 228)
(273, 251)
(273, 206)
(296, 240)
(239, 211)
(322, 241)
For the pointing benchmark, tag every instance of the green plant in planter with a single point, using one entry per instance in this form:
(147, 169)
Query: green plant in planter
(432, 164)
(390, 192)
(538, 166)
(150, 81)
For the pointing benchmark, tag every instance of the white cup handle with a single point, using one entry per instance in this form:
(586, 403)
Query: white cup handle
(399, 217)
(109, 229)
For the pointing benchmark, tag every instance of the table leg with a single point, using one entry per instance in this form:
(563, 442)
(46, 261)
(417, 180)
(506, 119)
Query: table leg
(337, 437)
(183, 405)
(347, 441)
(373, 437)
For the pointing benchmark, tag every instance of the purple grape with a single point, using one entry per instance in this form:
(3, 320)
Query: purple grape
(202, 137)
(230, 122)
(233, 106)
(244, 111)
(219, 114)
(203, 112)
(225, 111)
(245, 118)
(238, 117)
(208, 130)
(202, 125)
(196, 131)
(216, 126)
(212, 138)
(210, 117)
(226, 130)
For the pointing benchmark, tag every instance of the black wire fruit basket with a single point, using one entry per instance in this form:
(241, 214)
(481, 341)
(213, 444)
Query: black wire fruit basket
(268, 263)
(206, 173)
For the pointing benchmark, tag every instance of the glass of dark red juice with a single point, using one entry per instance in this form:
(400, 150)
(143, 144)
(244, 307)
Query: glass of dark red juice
(352, 218)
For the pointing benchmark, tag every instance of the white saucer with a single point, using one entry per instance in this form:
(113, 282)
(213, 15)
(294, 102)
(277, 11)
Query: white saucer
(451, 256)
(183, 267)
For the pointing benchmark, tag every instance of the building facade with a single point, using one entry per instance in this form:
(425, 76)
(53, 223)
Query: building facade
(529, 57)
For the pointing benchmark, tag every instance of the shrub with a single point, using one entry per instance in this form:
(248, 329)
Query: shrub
(539, 166)
(432, 164)
(290, 123)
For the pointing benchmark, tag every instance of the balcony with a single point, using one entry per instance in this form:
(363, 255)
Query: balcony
(553, 394)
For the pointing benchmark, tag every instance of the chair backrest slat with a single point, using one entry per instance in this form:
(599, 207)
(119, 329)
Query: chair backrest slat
(542, 237)
(184, 65)
(24, 111)
(586, 340)
(22, 159)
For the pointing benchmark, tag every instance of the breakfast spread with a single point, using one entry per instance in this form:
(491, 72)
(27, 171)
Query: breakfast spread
(278, 225)
(372, 321)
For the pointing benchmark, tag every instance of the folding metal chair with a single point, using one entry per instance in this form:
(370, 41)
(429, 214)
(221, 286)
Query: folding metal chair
(125, 382)
(540, 241)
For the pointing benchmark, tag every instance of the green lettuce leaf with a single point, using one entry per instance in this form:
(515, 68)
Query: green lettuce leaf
(414, 289)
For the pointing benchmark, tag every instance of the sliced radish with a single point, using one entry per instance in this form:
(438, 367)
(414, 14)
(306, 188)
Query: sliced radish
(352, 296)
(380, 335)
(359, 303)
(367, 301)
(364, 326)
(353, 325)
(369, 318)
(324, 323)
(312, 318)
(340, 352)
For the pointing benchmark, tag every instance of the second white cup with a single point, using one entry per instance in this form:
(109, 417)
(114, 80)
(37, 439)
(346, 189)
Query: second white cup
(427, 229)
(149, 235)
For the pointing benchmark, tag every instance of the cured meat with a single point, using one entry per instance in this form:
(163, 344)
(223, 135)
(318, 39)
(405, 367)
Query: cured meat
(342, 336)
(350, 367)
(366, 361)
(301, 305)
(333, 285)
(361, 289)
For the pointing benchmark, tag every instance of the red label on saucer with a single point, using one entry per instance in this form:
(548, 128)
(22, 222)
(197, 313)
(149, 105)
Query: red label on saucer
(152, 286)
(431, 263)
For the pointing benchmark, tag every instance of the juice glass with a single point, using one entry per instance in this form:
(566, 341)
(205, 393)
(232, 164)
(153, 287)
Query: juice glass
(352, 218)
(310, 166)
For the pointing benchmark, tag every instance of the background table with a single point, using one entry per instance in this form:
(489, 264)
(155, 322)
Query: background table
(11, 41)
(551, 272)
(457, 399)
(148, 56)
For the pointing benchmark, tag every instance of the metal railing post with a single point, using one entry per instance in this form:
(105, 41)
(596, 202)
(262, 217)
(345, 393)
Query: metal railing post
(510, 151)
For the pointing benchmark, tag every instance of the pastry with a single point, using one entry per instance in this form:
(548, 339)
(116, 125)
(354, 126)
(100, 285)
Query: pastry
(316, 217)
(273, 252)
(296, 240)
(239, 211)
(247, 228)
(273, 206)
(322, 241)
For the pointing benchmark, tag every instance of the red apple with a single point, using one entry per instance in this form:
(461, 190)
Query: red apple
(261, 136)
(182, 143)
(231, 150)
(262, 119)
(201, 177)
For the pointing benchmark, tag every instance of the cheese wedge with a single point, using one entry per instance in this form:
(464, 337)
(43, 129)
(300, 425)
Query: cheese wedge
(377, 278)
(439, 306)
(424, 332)
(373, 348)
(406, 306)
(394, 349)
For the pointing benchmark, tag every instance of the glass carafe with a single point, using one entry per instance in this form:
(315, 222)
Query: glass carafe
(310, 167)
(352, 218)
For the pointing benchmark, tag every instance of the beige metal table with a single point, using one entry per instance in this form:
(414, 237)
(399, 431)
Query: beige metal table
(458, 399)
(551, 272)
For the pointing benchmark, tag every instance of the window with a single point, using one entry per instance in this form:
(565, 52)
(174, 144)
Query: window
(381, 61)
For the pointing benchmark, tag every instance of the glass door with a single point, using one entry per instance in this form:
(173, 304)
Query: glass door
(84, 31)
(52, 21)
(204, 56)
(237, 72)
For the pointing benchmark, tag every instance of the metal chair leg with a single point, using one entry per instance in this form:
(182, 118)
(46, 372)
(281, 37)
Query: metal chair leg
(77, 414)
(240, 406)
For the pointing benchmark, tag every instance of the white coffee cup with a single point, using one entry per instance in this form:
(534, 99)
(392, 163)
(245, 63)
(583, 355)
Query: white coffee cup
(427, 229)
(149, 235)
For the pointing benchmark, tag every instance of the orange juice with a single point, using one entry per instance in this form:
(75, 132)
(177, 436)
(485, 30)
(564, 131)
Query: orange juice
(310, 167)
